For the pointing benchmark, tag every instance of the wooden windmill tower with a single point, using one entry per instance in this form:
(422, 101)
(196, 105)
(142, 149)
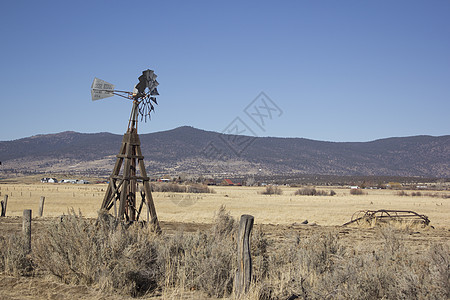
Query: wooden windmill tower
(129, 188)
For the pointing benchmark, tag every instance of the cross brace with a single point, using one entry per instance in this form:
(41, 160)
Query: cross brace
(124, 186)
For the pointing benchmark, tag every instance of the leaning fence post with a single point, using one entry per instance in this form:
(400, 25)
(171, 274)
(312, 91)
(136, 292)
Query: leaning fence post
(41, 206)
(26, 228)
(3, 206)
(244, 271)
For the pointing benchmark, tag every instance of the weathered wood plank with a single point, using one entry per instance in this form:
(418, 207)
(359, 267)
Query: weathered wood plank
(4, 203)
(26, 229)
(244, 271)
(41, 206)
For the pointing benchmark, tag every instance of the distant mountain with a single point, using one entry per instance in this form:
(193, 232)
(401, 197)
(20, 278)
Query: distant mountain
(191, 150)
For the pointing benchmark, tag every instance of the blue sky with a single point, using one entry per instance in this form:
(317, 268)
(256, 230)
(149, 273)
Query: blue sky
(338, 70)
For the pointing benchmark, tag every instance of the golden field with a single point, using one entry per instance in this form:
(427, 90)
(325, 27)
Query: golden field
(282, 209)
(74, 260)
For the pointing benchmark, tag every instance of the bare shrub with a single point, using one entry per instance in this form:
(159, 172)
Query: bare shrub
(177, 188)
(321, 267)
(14, 259)
(439, 257)
(203, 261)
(135, 261)
(224, 223)
(199, 188)
(306, 191)
(260, 253)
(392, 245)
(79, 251)
(309, 191)
(357, 192)
(420, 194)
(402, 193)
(272, 190)
(168, 187)
(437, 195)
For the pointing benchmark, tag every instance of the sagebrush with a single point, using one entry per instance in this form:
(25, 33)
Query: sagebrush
(310, 191)
(178, 188)
(272, 190)
(133, 260)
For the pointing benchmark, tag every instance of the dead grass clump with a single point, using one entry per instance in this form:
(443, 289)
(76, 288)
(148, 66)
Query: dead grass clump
(199, 188)
(272, 190)
(308, 191)
(439, 267)
(436, 195)
(357, 192)
(322, 267)
(177, 188)
(79, 251)
(134, 260)
(402, 193)
(203, 261)
(168, 187)
(14, 259)
(260, 253)
(420, 194)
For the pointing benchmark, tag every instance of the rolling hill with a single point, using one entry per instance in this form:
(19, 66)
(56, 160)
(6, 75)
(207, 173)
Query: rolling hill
(190, 150)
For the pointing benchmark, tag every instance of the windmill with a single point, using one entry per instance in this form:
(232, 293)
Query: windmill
(124, 186)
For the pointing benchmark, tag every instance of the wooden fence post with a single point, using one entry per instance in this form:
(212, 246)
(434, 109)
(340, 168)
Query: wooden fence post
(3, 207)
(41, 206)
(26, 228)
(244, 271)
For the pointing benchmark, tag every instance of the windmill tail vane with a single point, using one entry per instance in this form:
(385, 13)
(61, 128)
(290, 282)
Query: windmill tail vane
(143, 94)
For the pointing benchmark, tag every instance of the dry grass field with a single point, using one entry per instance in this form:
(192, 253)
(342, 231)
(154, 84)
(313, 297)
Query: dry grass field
(321, 260)
(283, 209)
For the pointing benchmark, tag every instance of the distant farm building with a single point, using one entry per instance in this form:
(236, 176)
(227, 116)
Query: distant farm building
(210, 181)
(49, 180)
(394, 185)
(227, 182)
(230, 183)
(68, 181)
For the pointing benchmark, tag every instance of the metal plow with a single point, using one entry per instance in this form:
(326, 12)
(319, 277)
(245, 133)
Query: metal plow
(372, 217)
